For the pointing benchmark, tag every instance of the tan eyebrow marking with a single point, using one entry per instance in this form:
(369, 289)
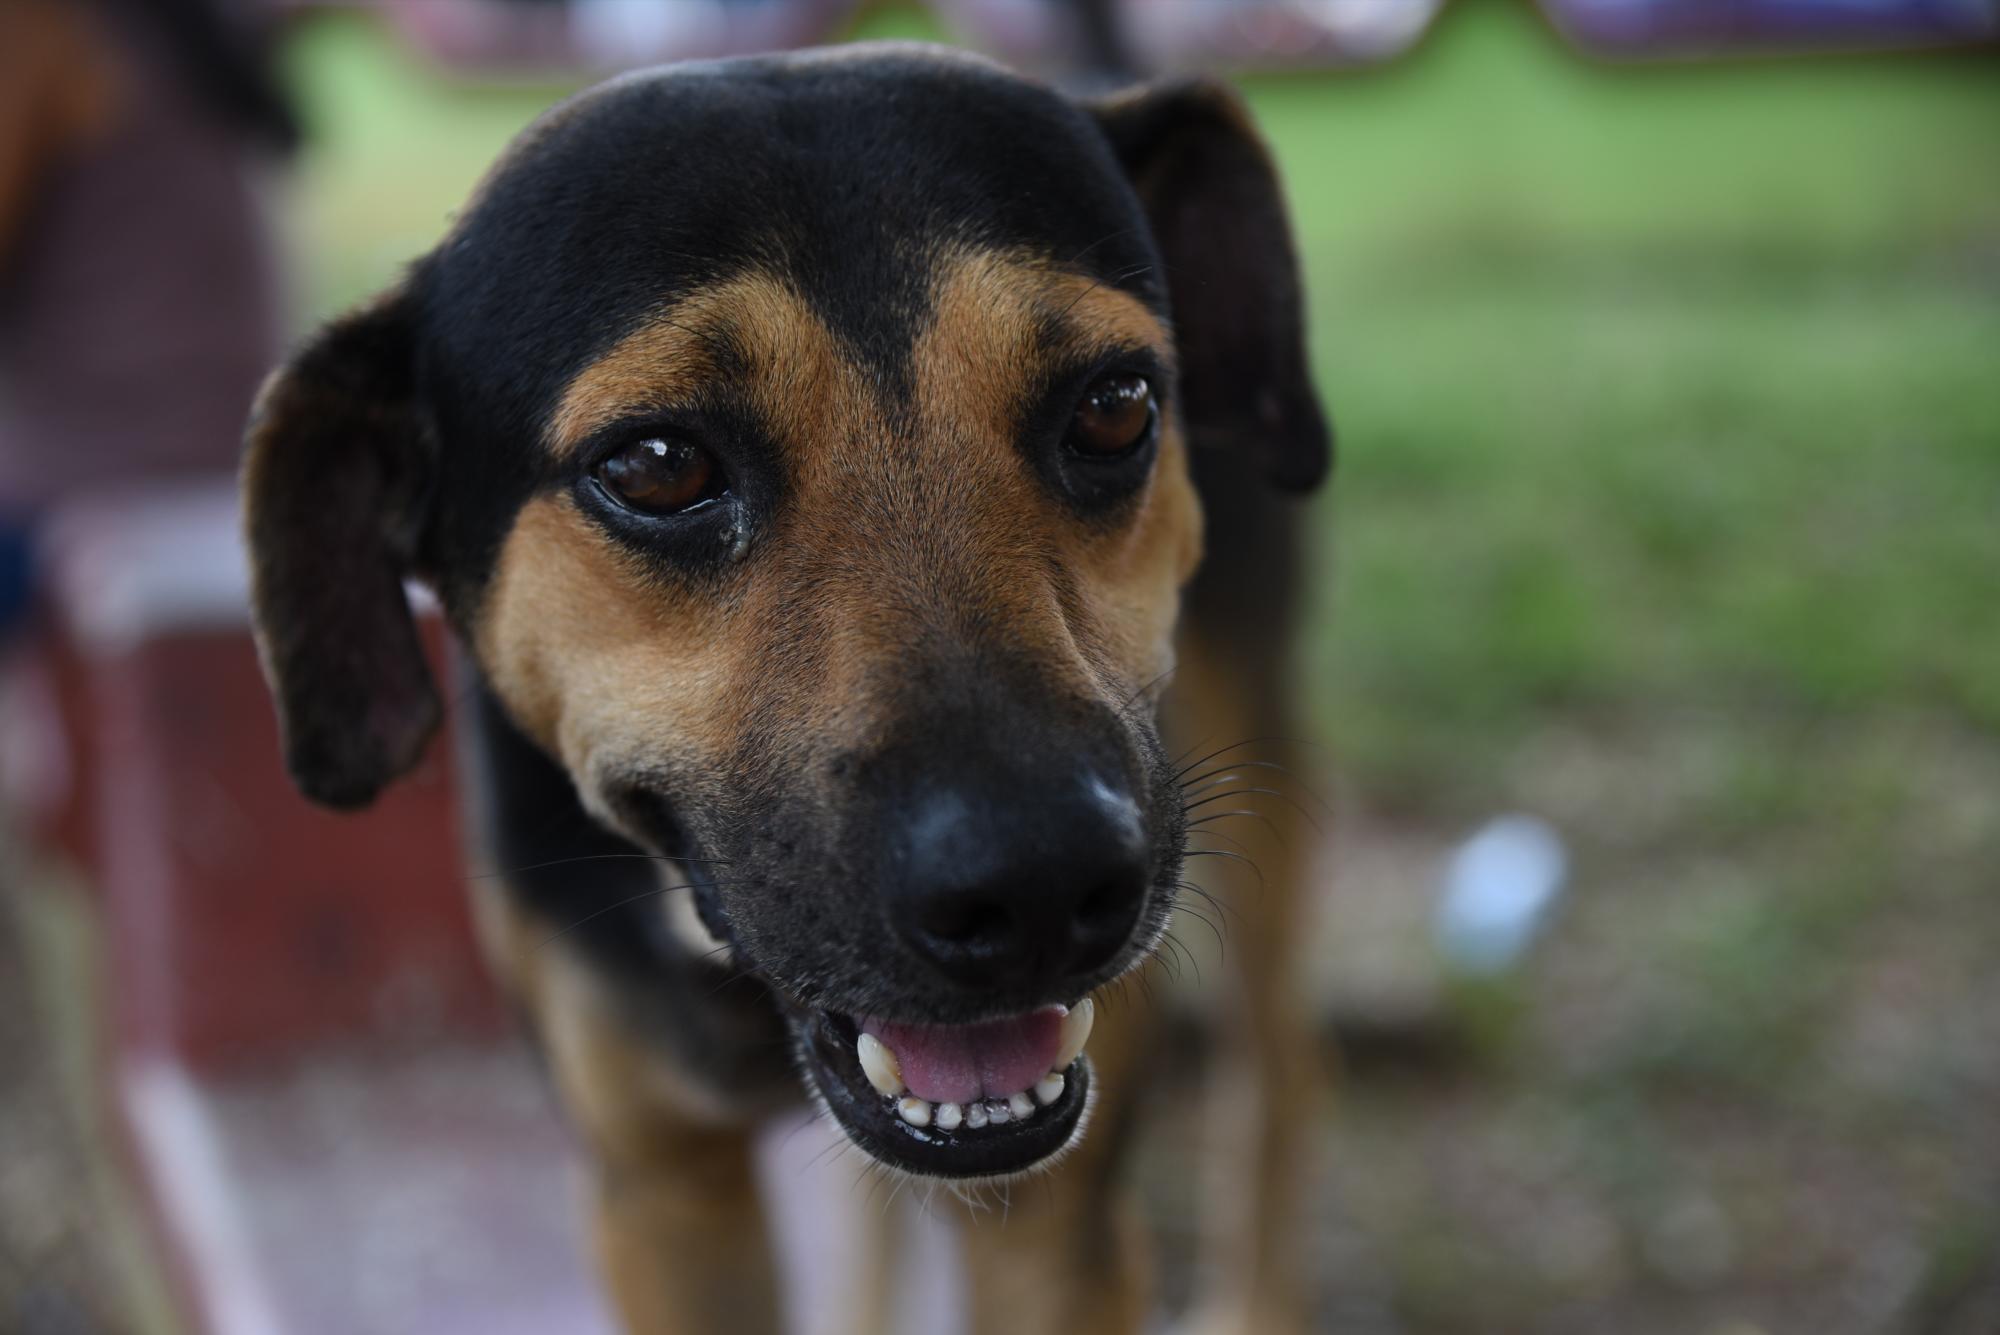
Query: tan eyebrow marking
(993, 309)
(658, 364)
(675, 353)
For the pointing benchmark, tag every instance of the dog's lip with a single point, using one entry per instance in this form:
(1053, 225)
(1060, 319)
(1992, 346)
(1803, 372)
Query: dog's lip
(827, 1042)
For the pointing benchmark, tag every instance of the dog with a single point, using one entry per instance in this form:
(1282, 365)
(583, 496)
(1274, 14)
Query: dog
(811, 454)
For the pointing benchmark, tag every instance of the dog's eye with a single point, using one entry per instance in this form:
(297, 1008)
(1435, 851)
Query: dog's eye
(659, 476)
(1115, 415)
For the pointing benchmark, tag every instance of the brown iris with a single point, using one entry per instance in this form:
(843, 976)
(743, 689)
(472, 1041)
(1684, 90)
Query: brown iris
(1114, 416)
(659, 476)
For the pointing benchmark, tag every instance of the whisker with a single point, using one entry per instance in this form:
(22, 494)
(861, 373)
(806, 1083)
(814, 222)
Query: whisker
(1272, 738)
(828, 1152)
(1224, 908)
(1180, 769)
(1145, 985)
(587, 918)
(1283, 769)
(1225, 853)
(1156, 681)
(1222, 949)
(1228, 776)
(1180, 948)
(1231, 792)
(1216, 834)
(1269, 824)
(1286, 798)
(1325, 807)
(730, 981)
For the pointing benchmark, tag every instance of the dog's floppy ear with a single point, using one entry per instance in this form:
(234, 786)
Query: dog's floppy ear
(335, 473)
(1211, 194)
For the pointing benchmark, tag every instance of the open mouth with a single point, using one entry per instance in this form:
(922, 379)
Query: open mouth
(966, 1100)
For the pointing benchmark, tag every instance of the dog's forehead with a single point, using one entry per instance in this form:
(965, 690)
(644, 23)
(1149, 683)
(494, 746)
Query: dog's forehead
(846, 174)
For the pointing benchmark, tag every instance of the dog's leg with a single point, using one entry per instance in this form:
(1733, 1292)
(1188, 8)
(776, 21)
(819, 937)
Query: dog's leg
(679, 1233)
(1267, 1087)
(678, 1225)
(677, 1222)
(1065, 1250)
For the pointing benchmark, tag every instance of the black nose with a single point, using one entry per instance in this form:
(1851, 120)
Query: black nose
(1020, 890)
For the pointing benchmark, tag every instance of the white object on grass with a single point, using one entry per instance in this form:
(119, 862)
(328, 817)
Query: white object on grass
(1497, 893)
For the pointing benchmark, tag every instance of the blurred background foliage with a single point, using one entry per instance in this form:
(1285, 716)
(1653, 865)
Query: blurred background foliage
(1668, 508)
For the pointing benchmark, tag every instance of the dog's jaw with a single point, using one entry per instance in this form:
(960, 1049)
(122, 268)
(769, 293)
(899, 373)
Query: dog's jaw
(993, 1138)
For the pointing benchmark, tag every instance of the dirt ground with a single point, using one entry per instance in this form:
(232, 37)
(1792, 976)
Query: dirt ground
(1748, 1082)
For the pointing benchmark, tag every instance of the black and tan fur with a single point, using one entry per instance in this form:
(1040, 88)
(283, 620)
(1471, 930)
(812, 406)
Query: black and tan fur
(873, 281)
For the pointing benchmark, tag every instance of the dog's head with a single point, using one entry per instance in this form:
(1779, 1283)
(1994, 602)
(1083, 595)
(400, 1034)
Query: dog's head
(800, 445)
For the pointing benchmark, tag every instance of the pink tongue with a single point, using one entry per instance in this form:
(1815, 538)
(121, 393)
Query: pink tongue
(961, 1062)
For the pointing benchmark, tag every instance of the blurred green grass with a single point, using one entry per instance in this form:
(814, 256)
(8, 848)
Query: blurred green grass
(1659, 387)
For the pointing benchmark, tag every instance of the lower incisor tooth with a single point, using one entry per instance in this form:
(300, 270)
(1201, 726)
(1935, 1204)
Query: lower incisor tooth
(914, 1110)
(975, 1115)
(949, 1115)
(1021, 1105)
(1049, 1088)
(998, 1113)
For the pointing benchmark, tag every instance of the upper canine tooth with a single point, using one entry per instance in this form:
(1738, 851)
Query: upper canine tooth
(879, 1064)
(1075, 1033)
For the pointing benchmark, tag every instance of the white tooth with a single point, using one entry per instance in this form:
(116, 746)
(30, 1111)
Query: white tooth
(879, 1064)
(949, 1115)
(998, 1113)
(1021, 1105)
(1075, 1033)
(1049, 1088)
(915, 1111)
(975, 1115)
